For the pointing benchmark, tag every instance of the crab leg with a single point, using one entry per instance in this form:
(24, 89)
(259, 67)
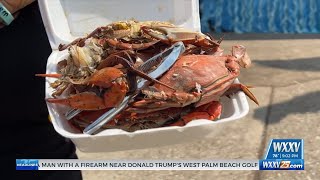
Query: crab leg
(110, 60)
(127, 64)
(209, 111)
(151, 105)
(128, 46)
(80, 41)
(167, 34)
(49, 75)
(91, 101)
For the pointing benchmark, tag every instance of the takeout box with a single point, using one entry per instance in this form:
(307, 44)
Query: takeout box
(65, 20)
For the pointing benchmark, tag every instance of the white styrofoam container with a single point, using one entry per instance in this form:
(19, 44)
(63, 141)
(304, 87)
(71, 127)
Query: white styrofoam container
(66, 20)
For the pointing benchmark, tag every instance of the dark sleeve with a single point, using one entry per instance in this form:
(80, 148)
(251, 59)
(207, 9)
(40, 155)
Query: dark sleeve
(24, 49)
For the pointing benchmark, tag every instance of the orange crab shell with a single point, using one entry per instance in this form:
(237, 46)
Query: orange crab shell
(210, 74)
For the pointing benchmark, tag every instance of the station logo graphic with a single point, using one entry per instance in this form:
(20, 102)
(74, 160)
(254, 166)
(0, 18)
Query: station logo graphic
(283, 154)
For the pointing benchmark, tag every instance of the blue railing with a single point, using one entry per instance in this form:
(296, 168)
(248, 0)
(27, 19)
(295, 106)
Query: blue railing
(243, 16)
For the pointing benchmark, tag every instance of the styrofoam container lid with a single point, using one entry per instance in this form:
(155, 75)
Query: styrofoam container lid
(66, 20)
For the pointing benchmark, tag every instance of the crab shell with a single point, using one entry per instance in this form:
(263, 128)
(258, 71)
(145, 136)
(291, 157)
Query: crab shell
(209, 75)
(198, 79)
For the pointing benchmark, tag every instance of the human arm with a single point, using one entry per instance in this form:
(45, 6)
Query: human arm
(13, 6)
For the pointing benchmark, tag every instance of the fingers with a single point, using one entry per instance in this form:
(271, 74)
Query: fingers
(15, 5)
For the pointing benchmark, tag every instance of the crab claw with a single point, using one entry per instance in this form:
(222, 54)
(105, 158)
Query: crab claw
(91, 101)
(240, 87)
(84, 101)
(113, 90)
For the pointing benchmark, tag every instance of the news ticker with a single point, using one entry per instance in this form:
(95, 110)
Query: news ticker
(282, 154)
(76, 164)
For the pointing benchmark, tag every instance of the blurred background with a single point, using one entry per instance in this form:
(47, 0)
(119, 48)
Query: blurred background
(261, 19)
(260, 16)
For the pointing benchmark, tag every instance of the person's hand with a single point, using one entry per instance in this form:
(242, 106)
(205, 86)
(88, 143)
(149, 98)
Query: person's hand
(14, 6)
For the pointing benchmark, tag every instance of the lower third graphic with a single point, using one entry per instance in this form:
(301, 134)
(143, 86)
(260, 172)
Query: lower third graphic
(27, 164)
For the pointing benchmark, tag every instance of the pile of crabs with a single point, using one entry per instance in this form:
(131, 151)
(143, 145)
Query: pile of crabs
(106, 66)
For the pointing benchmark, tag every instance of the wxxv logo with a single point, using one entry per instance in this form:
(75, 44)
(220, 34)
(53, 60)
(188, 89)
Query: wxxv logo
(284, 154)
(291, 148)
(296, 164)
